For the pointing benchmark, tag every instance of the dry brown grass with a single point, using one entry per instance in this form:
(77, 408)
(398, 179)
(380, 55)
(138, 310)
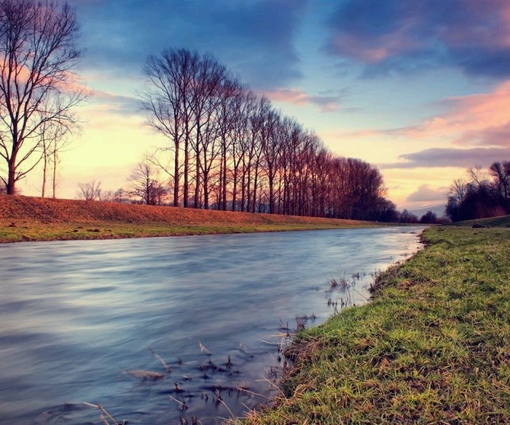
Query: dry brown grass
(30, 218)
(64, 210)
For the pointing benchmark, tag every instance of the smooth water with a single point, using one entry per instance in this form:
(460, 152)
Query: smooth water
(78, 317)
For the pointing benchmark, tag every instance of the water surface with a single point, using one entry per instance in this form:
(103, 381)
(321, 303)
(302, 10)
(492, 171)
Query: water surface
(76, 317)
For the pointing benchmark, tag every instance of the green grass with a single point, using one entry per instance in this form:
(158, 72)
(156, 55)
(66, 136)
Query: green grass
(432, 347)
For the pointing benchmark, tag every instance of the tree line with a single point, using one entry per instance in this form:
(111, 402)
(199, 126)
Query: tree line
(484, 193)
(230, 149)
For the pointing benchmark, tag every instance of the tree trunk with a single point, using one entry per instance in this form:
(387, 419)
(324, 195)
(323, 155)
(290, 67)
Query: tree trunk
(54, 181)
(186, 169)
(224, 176)
(176, 175)
(45, 170)
(11, 181)
(11, 177)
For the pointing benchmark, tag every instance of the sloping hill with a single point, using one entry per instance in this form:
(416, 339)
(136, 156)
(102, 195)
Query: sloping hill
(30, 218)
(502, 221)
(60, 210)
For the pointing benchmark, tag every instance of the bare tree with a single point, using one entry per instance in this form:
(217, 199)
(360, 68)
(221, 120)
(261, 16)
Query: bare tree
(478, 175)
(480, 197)
(251, 156)
(271, 148)
(90, 191)
(240, 133)
(145, 184)
(54, 140)
(37, 54)
(184, 101)
(458, 191)
(232, 97)
(167, 102)
(501, 172)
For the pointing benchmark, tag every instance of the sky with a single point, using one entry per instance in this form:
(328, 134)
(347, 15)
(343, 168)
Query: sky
(418, 88)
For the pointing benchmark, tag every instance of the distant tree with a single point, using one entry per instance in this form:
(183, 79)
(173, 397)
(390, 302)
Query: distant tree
(429, 218)
(481, 197)
(356, 189)
(458, 190)
(385, 211)
(407, 217)
(444, 220)
(90, 191)
(37, 54)
(145, 185)
(481, 201)
(477, 175)
(456, 196)
(107, 196)
(121, 196)
(501, 173)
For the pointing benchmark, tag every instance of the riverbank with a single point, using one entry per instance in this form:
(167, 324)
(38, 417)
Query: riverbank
(432, 347)
(24, 218)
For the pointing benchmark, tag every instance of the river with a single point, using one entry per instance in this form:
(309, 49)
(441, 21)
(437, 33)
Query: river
(86, 321)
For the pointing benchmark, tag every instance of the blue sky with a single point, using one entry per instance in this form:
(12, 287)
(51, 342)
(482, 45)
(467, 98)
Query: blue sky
(419, 88)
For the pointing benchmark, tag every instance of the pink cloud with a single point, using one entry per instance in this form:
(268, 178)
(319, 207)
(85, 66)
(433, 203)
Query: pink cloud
(475, 120)
(298, 97)
(376, 49)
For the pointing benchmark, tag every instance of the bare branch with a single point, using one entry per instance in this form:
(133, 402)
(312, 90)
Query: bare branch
(90, 191)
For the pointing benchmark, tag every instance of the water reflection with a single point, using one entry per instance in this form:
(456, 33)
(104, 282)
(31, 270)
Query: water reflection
(77, 316)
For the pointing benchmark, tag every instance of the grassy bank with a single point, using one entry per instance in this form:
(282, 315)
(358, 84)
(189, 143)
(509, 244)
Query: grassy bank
(34, 219)
(433, 346)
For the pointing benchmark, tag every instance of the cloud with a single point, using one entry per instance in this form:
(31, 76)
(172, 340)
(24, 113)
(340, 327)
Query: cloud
(326, 103)
(389, 35)
(254, 39)
(103, 112)
(475, 120)
(446, 157)
(117, 104)
(495, 136)
(427, 194)
(473, 129)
